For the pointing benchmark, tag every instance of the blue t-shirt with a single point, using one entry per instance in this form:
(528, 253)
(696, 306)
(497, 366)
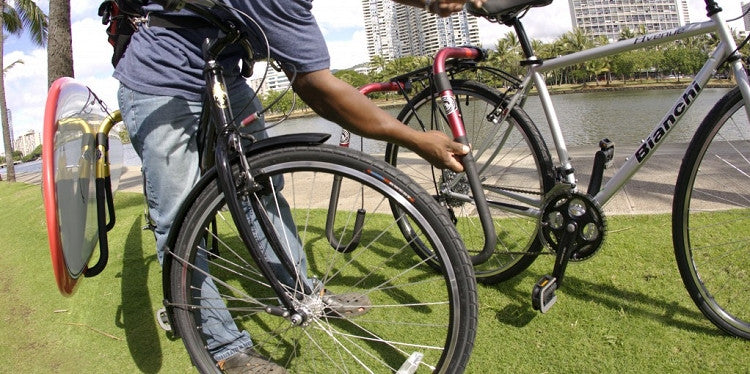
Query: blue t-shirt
(169, 62)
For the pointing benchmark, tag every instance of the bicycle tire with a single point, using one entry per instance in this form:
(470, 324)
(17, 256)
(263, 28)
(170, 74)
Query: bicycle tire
(414, 309)
(711, 213)
(523, 167)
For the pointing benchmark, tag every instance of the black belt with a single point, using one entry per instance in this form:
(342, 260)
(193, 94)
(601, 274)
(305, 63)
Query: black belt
(173, 21)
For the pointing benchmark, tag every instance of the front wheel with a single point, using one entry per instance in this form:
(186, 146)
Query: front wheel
(400, 311)
(514, 167)
(711, 216)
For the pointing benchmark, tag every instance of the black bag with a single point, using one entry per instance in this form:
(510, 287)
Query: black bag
(122, 17)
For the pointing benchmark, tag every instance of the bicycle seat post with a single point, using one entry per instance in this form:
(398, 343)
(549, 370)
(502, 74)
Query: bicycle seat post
(523, 39)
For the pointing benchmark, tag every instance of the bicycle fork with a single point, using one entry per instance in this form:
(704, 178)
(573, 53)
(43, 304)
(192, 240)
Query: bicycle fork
(237, 189)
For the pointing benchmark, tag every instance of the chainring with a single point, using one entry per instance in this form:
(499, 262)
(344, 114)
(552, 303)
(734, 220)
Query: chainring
(565, 208)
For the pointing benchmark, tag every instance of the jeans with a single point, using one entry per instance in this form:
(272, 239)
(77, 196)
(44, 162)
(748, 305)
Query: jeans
(163, 133)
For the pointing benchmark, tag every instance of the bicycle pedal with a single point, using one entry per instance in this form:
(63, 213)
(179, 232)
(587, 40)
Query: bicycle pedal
(543, 296)
(411, 364)
(163, 320)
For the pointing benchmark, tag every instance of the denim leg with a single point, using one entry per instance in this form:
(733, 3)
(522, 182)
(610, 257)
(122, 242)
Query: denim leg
(163, 133)
(279, 212)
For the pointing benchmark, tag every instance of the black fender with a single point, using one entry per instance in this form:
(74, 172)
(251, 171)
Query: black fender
(274, 142)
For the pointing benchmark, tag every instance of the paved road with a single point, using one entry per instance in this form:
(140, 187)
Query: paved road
(650, 191)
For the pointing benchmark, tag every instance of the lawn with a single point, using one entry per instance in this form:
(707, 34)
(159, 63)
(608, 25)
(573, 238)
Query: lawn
(625, 310)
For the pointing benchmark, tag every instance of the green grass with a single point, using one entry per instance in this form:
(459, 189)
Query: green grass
(107, 326)
(625, 310)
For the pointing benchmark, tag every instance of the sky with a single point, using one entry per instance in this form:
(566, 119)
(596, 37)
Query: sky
(340, 20)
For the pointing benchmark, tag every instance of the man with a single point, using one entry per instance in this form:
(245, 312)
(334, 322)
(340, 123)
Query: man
(162, 83)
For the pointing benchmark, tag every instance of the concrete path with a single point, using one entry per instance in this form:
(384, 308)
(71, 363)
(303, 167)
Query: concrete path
(650, 191)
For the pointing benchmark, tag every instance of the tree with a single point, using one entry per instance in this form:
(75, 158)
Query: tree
(60, 45)
(17, 16)
(352, 77)
(507, 55)
(575, 41)
(35, 154)
(680, 59)
(600, 65)
(281, 102)
(624, 64)
(377, 68)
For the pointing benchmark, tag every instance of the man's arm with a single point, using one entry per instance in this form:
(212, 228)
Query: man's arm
(339, 102)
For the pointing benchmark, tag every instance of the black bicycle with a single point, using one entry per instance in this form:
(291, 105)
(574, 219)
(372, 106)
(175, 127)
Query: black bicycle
(293, 198)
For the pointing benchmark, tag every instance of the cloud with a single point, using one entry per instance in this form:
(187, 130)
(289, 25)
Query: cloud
(26, 89)
(341, 22)
(730, 9)
(544, 23)
(350, 52)
(91, 58)
(336, 15)
(26, 84)
(342, 25)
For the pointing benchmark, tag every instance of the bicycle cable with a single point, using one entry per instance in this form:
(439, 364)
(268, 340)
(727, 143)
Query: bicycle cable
(244, 112)
(741, 16)
(285, 116)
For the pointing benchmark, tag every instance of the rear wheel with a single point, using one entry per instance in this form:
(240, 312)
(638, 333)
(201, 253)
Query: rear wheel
(514, 166)
(410, 312)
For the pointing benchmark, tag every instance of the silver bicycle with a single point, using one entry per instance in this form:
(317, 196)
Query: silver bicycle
(514, 199)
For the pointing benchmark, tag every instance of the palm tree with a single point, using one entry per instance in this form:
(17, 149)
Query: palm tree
(626, 33)
(377, 67)
(17, 16)
(60, 45)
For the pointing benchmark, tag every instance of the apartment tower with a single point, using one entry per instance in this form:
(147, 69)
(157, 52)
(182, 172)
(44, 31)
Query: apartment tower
(394, 30)
(609, 17)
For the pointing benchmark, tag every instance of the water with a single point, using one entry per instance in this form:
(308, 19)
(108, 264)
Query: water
(624, 117)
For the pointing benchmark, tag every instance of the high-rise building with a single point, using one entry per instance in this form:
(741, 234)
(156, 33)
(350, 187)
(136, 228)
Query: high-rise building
(610, 17)
(394, 30)
(746, 17)
(272, 80)
(28, 142)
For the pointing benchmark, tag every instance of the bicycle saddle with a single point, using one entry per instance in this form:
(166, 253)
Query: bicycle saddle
(503, 8)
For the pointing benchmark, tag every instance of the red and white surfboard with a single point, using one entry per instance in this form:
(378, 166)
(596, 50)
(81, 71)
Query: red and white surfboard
(72, 119)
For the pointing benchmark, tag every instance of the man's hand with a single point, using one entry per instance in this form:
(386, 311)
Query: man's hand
(444, 8)
(339, 102)
(440, 150)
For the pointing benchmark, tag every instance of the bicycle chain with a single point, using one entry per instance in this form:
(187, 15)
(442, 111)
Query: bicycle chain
(511, 189)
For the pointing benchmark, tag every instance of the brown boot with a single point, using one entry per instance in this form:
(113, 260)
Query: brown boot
(248, 362)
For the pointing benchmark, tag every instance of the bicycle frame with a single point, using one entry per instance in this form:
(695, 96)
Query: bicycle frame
(536, 67)
(670, 120)
(224, 144)
(451, 58)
